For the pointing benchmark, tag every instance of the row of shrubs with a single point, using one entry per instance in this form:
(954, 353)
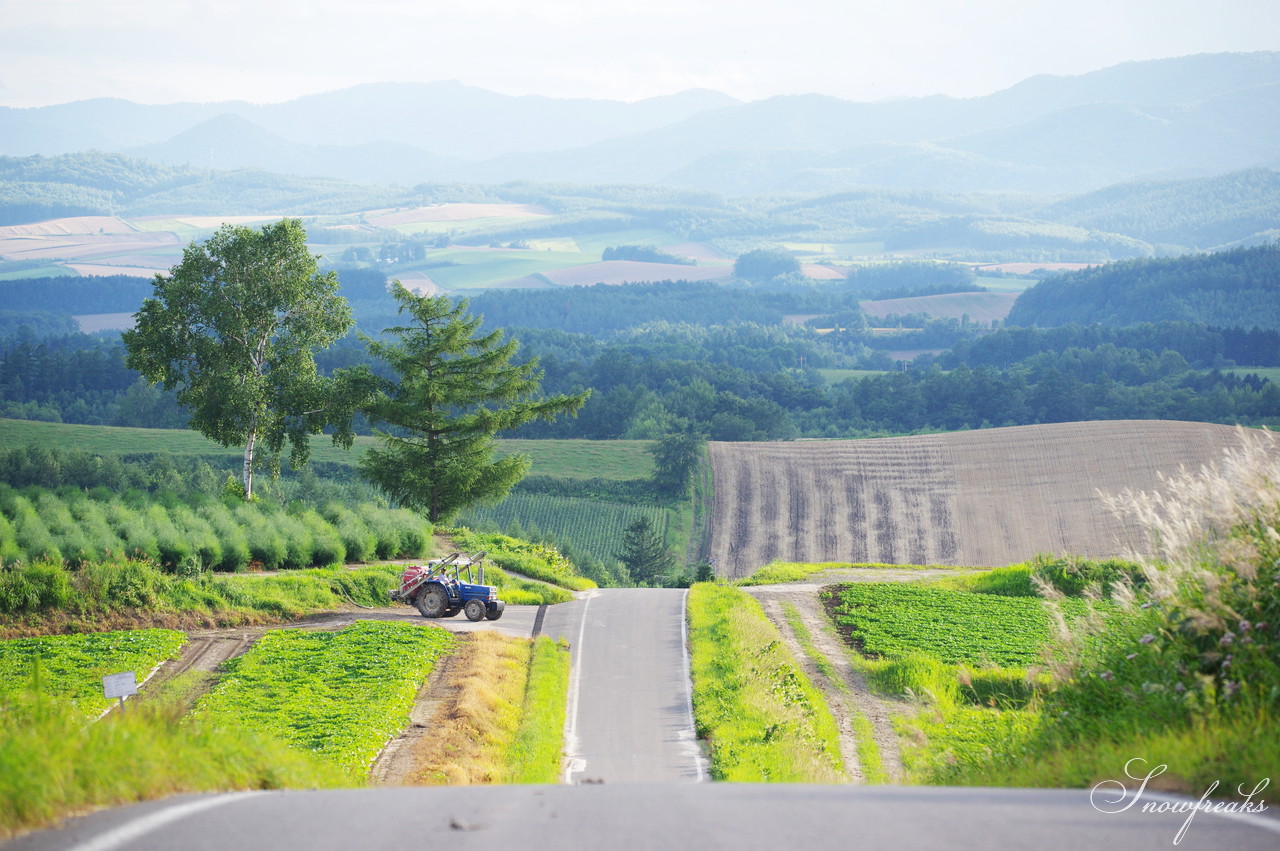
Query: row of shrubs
(201, 534)
(102, 587)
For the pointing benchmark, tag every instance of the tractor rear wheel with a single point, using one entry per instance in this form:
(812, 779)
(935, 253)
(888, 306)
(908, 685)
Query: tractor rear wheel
(474, 610)
(432, 602)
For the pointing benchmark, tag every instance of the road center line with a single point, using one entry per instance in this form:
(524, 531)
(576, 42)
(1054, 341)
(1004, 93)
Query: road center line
(152, 821)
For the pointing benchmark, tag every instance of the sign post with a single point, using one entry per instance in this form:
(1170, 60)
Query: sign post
(120, 686)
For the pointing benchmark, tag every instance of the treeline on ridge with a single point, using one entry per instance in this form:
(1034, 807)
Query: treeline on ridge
(1240, 287)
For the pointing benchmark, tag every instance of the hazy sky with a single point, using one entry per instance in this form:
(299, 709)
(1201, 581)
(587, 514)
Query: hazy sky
(162, 51)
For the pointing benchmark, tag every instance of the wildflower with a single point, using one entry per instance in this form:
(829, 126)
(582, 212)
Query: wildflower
(1147, 604)
(1244, 626)
(1147, 639)
(1231, 688)
(1106, 675)
(1179, 688)
(1227, 639)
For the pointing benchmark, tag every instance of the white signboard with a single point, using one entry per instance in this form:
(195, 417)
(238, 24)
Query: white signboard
(120, 685)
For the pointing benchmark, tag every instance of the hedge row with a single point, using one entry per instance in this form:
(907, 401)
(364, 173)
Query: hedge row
(205, 534)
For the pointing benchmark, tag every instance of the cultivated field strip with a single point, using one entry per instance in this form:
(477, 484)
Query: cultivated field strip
(985, 498)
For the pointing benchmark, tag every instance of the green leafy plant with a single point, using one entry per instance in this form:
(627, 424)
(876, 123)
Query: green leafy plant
(339, 695)
(72, 666)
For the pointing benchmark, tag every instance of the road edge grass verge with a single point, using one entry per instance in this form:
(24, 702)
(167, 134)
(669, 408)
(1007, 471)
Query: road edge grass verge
(501, 719)
(53, 764)
(869, 760)
(762, 720)
(535, 755)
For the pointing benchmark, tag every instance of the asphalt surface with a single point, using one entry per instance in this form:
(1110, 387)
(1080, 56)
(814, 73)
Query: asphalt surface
(629, 716)
(643, 816)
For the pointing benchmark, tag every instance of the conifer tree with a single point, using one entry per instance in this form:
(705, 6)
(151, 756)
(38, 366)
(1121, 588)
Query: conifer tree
(645, 553)
(455, 392)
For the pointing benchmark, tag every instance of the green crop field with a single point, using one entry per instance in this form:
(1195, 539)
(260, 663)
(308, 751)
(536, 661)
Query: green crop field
(889, 619)
(478, 268)
(72, 666)
(591, 526)
(340, 695)
(576, 459)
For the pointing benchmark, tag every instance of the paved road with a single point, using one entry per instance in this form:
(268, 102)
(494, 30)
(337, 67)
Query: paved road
(630, 719)
(632, 817)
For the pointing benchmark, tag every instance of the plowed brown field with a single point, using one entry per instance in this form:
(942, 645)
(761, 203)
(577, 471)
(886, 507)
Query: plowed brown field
(985, 498)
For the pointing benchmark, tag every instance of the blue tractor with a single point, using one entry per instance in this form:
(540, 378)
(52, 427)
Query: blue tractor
(443, 587)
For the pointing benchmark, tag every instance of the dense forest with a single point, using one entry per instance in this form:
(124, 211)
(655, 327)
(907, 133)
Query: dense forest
(780, 360)
(1239, 287)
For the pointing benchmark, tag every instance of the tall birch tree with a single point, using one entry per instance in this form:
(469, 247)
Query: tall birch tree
(233, 329)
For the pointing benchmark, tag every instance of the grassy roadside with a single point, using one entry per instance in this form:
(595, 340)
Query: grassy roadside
(536, 751)
(131, 594)
(52, 764)
(503, 718)
(780, 572)
(760, 716)
(864, 734)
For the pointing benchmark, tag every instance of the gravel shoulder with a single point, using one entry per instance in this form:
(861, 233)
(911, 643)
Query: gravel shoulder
(854, 696)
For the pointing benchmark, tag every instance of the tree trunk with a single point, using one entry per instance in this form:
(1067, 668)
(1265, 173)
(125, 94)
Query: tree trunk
(248, 466)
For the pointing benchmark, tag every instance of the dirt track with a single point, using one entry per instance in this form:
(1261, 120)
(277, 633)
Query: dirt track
(986, 498)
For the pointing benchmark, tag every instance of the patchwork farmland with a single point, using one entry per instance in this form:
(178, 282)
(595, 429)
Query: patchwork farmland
(984, 498)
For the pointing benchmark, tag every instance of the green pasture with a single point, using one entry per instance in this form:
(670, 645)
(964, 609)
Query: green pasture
(478, 268)
(835, 376)
(576, 459)
(49, 270)
(594, 244)
(1271, 373)
(1005, 285)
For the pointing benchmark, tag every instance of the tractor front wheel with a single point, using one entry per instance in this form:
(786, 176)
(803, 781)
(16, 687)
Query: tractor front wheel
(474, 610)
(432, 602)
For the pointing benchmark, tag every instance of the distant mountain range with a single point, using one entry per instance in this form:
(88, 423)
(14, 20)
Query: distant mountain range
(1191, 117)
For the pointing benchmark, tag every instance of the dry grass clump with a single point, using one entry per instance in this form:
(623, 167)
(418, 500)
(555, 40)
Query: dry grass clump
(471, 733)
